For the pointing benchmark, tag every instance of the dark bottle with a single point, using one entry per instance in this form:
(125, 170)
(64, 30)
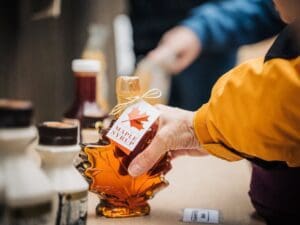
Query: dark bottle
(85, 104)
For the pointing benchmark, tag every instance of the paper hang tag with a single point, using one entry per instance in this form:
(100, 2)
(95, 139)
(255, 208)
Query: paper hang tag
(191, 215)
(132, 125)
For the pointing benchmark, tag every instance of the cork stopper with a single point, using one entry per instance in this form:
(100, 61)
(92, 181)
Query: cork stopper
(127, 86)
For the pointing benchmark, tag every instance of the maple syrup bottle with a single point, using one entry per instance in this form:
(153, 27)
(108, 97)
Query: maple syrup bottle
(105, 166)
(127, 87)
(85, 103)
(57, 147)
(28, 193)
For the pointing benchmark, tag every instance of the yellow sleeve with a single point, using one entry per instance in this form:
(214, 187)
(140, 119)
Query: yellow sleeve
(254, 110)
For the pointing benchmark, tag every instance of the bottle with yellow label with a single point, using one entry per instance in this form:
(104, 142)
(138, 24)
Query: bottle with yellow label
(85, 104)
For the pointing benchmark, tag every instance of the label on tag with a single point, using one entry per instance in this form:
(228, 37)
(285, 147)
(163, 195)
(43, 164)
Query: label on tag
(191, 215)
(132, 125)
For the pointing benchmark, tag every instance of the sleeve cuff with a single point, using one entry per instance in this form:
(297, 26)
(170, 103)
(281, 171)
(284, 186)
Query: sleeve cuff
(205, 139)
(200, 127)
(198, 28)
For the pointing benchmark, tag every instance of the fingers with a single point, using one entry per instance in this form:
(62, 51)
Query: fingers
(164, 55)
(146, 160)
(170, 53)
(174, 59)
(174, 133)
(161, 53)
(183, 60)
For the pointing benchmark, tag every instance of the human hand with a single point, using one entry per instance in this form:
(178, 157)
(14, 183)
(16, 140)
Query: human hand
(175, 134)
(181, 43)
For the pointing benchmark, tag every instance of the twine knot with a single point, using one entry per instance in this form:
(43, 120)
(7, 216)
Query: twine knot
(148, 95)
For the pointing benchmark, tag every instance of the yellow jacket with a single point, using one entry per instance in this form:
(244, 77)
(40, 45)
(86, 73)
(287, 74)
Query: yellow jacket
(254, 111)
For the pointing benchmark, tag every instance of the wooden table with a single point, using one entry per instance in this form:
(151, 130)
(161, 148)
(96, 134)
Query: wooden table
(205, 182)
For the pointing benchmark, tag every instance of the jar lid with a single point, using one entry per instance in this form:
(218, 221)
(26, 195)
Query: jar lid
(85, 65)
(57, 133)
(15, 113)
(90, 121)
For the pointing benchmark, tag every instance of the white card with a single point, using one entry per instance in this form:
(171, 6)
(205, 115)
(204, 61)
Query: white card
(191, 215)
(132, 125)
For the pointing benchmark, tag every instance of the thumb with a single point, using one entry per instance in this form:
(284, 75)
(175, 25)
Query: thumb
(146, 159)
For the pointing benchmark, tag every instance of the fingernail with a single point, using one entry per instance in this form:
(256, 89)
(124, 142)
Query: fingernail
(135, 170)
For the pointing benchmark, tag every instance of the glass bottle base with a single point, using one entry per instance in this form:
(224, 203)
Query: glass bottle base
(111, 211)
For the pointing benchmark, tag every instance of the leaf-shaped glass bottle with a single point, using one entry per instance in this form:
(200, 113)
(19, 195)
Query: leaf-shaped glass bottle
(105, 167)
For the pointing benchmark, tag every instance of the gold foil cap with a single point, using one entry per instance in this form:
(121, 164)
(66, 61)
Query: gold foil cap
(127, 86)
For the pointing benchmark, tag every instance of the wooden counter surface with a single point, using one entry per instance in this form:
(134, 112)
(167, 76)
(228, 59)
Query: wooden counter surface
(205, 182)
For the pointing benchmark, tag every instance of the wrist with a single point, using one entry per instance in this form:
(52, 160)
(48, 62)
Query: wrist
(196, 30)
(193, 142)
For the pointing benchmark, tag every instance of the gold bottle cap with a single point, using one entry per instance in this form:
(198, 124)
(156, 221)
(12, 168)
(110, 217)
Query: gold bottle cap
(127, 86)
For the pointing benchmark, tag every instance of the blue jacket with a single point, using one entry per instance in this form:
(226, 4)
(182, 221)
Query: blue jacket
(224, 25)
(221, 25)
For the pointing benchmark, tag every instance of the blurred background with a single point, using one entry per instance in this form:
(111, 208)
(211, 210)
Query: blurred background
(40, 38)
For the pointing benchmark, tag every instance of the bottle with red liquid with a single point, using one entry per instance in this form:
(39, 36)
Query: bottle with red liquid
(105, 166)
(85, 104)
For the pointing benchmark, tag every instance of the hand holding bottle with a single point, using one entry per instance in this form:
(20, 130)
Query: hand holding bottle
(175, 134)
(182, 43)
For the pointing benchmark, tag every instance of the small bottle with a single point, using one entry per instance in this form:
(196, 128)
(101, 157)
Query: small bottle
(28, 193)
(94, 49)
(57, 148)
(85, 104)
(105, 166)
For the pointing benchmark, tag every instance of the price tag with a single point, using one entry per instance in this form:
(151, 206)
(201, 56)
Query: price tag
(132, 125)
(192, 215)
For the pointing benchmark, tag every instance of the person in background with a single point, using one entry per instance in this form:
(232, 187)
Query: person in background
(253, 113)
(204, 35)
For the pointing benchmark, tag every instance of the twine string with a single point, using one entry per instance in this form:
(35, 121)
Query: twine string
(148, 95)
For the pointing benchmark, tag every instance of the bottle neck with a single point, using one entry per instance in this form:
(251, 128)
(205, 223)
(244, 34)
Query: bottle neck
(57, 156)
(126, 88)
(85, 87)
(15, 141)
